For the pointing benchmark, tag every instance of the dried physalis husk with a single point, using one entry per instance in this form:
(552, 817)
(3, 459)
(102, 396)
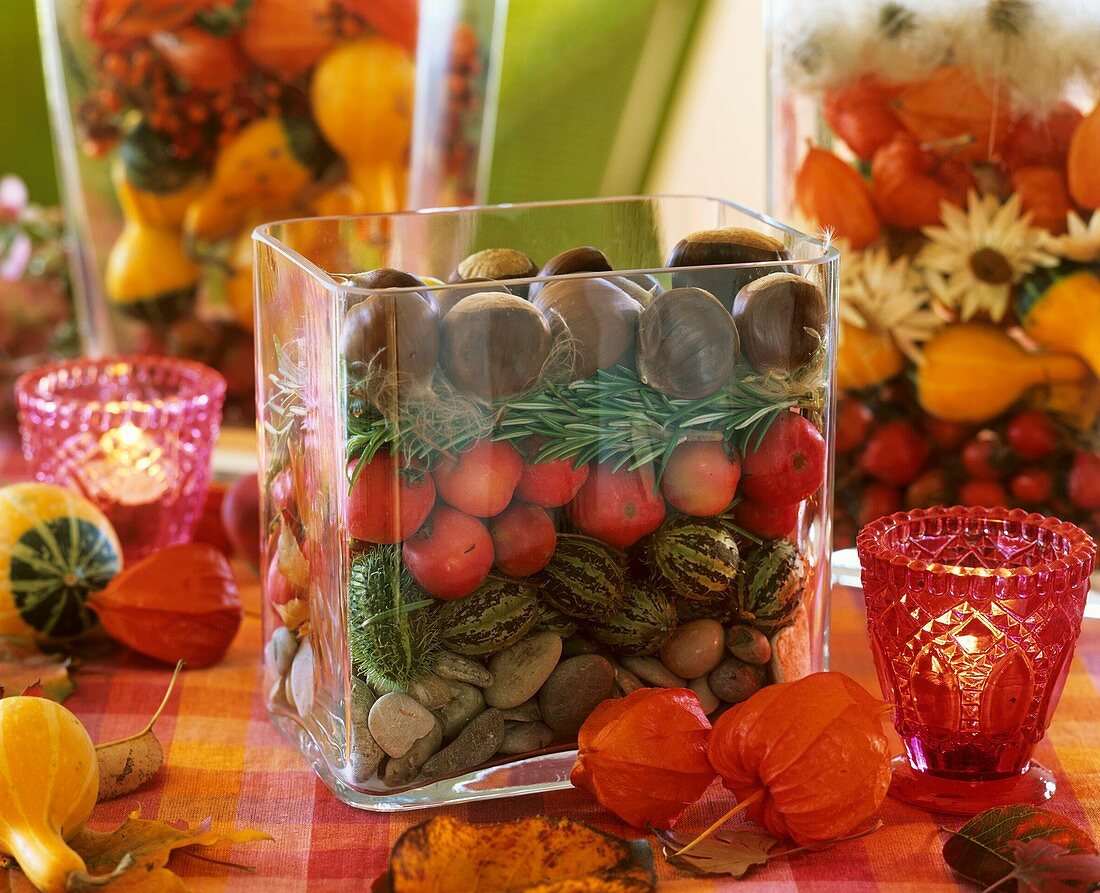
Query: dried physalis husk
(494, 346)
(687, 344)
(599, 319)
(728, 245)
(781, 318)
(125, 765)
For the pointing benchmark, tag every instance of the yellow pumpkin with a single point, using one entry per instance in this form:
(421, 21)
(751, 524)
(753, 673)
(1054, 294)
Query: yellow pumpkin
(56, 548)
(261, 172)
(149, 274)
(973, 371)
(1065, 316)
(238, 284)
(1077, 403)
(865, 358)
(160, 209)
(362, 95)
(50, 782)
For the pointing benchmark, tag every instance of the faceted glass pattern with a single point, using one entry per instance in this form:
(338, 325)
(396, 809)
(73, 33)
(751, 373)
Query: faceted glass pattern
(134, 435)
(973, 615)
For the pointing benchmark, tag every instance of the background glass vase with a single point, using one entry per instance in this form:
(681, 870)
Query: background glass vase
(973, 616)
(951, 155)
(406, 454)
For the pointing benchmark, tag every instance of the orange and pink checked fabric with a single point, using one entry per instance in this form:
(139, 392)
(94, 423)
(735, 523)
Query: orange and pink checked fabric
(225, 760)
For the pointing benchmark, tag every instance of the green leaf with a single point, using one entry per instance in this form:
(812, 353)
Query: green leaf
(727, 852)
(982, 849)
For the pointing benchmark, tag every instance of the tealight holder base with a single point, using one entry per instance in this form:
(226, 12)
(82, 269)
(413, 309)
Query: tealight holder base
(938, 794)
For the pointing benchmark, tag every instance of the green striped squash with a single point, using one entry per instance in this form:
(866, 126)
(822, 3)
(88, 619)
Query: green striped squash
(697, 557)
(497, 614)
(551, 620)
(642, 625)
(771, 586)
(585, 578)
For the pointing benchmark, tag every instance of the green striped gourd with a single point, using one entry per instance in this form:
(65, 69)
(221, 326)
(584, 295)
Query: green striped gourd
(696, 557)
(585, 578)
(642, 625)
(497, 614)
(770, 588)
(551, 620)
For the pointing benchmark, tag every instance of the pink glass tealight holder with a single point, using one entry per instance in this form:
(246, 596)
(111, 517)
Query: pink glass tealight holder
(973, 614)
(133, 434)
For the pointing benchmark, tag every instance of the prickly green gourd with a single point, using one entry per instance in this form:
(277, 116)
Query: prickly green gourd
(50, 779)
(495, 615)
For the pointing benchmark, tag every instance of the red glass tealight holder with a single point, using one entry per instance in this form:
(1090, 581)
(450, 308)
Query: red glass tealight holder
(973, 615)
(133, 434)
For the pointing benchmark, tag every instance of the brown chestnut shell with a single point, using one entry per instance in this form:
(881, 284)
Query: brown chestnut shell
(383, 277)
(494, 346)
(600, 318)
(728, 245)
(687, 344)
(584, 259)
(448, 297)
(495, 263)
(781, 318)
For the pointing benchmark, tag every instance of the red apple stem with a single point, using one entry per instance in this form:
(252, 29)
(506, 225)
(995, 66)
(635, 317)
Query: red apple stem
(743, 805)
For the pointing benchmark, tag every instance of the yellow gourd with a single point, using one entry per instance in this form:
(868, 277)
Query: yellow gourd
(974, 371)
(238, 284)
(865, 358)
(1077, 403)
(1065, 316)
(260, 172)
(159, 209)
(50, 782)
(362, 95)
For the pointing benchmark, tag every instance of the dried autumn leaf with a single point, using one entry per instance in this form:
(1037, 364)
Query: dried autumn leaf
(22, 666)
(291, 561)
(1045, 867)
(127, 764)
(983, 849)
(535, 855)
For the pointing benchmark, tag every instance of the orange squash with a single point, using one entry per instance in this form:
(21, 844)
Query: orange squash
(1083, 164)
(951, 106)
(287, 37)
(907, 190)
(832, 194)
(808, 758)
(1043, 192)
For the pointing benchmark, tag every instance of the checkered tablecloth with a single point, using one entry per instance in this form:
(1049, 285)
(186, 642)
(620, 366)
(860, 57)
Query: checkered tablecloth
(225, 760)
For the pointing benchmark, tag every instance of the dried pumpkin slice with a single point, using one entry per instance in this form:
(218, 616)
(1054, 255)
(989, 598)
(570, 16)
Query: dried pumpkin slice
(540, 855)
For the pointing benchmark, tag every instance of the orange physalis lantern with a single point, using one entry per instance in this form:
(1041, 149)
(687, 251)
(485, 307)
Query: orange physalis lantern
(1043, 192)
(644, 757)
(832, 194)
(909, 186)
(950, 108)
(860, 114)
(808, 759)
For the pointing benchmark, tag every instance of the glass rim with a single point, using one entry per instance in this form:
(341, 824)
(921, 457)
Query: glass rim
(871, 545)
(264, 233)
(206, 383)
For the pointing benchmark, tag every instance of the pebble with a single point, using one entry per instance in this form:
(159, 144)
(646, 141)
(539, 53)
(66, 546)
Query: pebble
(300, 684)
(466, 702)
(402, 770)
(396, 721)
(575, 688)
(695, 648)
(528, 711)
(651, 670)
(365, 756)
(475, 744)
(277, 693)
(461, 669)
(432, 691)
(520, 670)
(748, 644)
(523, 737)
(626, 681)
(707, 698)
(362, 699)
(734, 680)
(280, 650)
(578, 645)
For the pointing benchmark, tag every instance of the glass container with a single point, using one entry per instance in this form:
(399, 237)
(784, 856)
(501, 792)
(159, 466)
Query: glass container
(135, 435)
(490, 505)
(973, 615)
(950, 153)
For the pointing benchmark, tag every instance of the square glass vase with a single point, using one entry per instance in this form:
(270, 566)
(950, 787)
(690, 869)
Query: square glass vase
(489, 507)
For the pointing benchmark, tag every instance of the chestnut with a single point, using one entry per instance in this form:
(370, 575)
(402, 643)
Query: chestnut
(494, 346)
(729, 245)
(781, 318)
(687, 344)
(584, 259)
(383, 277)
(448, 297)
(496, 263)
(599, 317)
